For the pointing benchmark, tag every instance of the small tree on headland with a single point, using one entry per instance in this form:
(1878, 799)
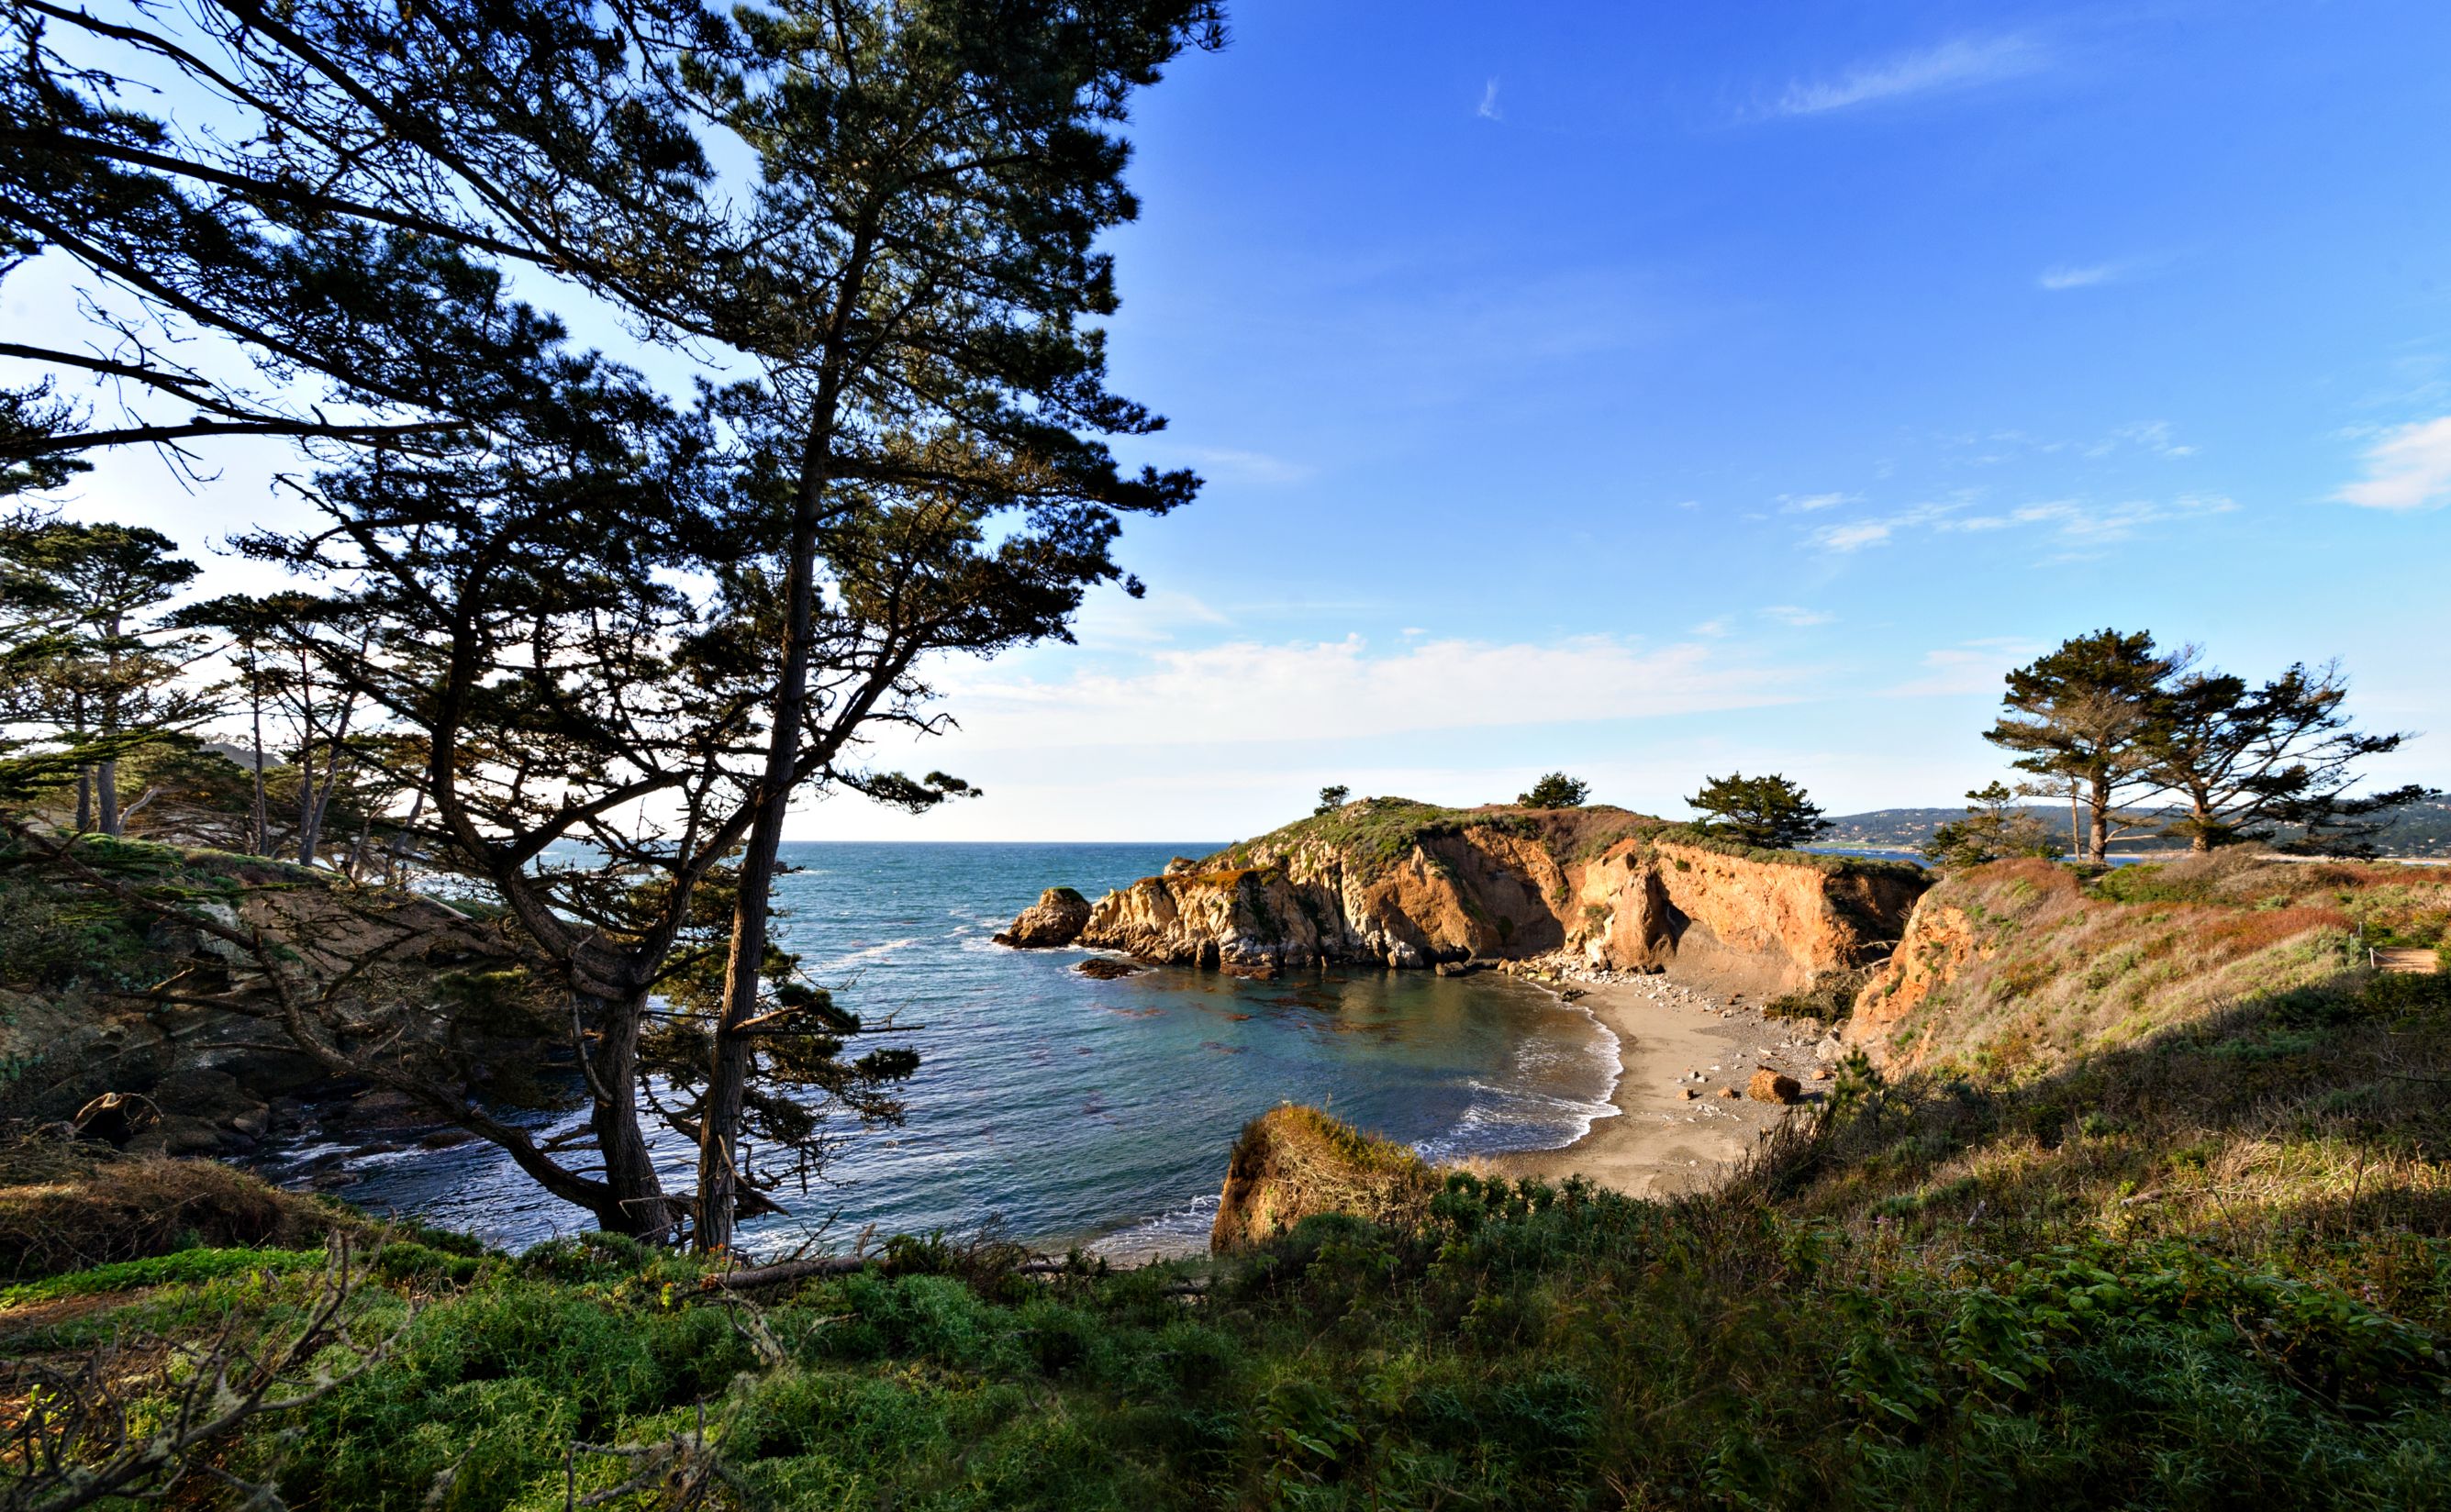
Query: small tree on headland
(1332, 798)
(1767, 812)
(1557, 791)
(2086, 718)
(1989, 832)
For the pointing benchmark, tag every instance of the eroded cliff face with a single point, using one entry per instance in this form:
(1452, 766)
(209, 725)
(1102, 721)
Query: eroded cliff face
(1507, 884)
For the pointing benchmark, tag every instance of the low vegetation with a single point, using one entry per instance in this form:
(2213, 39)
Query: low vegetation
(2201, 1259)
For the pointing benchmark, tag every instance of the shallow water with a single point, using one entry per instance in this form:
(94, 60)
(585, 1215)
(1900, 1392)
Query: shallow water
(1077, 1111)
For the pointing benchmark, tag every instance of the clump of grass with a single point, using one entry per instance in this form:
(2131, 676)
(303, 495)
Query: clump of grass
(1294, 1162)
(81, 1214)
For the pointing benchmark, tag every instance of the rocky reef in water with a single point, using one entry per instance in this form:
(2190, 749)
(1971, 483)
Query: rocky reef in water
(1391, 882)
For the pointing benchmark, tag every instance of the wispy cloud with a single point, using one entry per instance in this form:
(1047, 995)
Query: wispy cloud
(1962, 62)
(1854, 535)
(2065, 275)
(1797, 616)
(2076, 523)
(2410, 469)
(1972, 666)
(1249, 466)
(1807, 503)
(1489, 110)
(1247, 691)
(2154, 436)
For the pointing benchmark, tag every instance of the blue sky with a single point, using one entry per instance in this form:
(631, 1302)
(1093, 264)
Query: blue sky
(1651, 390)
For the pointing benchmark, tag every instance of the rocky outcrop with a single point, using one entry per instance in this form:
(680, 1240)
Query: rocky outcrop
(1054, 919)
(202, 1070)
(1445, 887)
(1293, 1162)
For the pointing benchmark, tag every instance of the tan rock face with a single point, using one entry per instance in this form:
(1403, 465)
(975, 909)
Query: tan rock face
(1054, 919)
(1939, 944)
(1491, 891)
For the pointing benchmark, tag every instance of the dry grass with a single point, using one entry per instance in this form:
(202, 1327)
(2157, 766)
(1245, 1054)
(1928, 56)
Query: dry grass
(65, 1208)
(2061, 969)
(1293, 1162)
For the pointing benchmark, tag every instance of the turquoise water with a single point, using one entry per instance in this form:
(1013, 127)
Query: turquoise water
(1078, 1111)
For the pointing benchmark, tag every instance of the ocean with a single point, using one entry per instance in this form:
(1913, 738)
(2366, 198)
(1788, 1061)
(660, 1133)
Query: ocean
(1060, 1109)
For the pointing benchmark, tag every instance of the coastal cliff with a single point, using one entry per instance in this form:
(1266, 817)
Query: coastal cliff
(1402, 884)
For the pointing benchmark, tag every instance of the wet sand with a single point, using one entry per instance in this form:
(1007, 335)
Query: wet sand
(1662, 1142)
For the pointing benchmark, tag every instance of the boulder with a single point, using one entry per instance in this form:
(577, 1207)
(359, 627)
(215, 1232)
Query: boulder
(1772, 1087)
(1105, 969)
(1056, 920)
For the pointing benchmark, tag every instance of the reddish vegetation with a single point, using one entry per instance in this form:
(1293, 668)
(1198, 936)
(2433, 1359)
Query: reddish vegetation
(2022, 963)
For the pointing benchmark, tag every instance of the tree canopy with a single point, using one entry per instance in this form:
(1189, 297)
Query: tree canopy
(1556, 791)
(1769, 812)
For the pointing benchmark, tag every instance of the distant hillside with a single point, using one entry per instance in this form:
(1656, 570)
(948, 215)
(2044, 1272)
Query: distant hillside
(2422, 830)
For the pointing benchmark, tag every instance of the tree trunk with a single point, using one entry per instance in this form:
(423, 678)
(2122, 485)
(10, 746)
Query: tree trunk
(400, 840)
(84, 799)
(635, 1201)
(719, 1176)
(307, 803)
(2100, 806)
(260, 820)
(105, 784)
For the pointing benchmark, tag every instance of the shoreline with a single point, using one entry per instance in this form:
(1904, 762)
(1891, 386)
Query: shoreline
(1658, 1142)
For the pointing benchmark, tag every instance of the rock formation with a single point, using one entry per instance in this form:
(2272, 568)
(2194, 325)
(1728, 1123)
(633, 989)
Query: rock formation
(1408, 884)
(1293, 1162)
(1054, 919)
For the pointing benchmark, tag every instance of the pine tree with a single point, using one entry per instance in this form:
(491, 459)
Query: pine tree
(1556, 791)
(1991, 831)
(92, 660)
(2244, 761)
(2086, 718)
(1770, 812)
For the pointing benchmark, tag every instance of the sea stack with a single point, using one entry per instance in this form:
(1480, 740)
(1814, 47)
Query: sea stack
(1056, 920)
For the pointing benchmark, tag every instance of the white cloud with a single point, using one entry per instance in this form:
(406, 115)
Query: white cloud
(1249, 692)
(2410, 469)
(1972, 666)
(2154, 436)
(2077, 523)
(1247, 467)
(2063, 276)
(1489, 110)
(1801, 619)
(1806, 503)
(1856, 535)
(1710, 629)
(1960, 64)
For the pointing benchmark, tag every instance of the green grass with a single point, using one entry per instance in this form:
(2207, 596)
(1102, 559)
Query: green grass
(158, 1270)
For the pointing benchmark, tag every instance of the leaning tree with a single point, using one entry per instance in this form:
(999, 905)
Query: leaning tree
(640, 624)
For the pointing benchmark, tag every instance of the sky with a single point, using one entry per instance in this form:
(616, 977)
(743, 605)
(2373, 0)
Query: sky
(1653, 391)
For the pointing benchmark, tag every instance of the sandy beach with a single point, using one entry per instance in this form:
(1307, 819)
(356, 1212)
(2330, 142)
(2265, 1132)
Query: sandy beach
(1660, 1141)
